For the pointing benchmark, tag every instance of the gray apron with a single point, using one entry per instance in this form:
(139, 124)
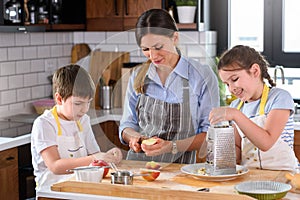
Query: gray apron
(168, 121)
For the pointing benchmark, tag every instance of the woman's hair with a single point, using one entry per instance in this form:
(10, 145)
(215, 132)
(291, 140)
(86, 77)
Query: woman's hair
(73, 80)
(243, 57)
(155, 21)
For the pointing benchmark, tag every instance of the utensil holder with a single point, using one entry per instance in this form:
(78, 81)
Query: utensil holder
(106, 97)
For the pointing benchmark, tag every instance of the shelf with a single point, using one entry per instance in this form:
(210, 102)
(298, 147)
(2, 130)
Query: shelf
(21, 28)
(191, 26)
(65, 27)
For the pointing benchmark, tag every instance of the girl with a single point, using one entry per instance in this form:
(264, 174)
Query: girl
(262, 114)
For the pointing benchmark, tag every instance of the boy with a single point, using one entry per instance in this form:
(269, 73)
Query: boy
(62, 137)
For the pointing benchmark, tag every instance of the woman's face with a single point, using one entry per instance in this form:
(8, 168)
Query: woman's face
(161, 50)
(245, 85)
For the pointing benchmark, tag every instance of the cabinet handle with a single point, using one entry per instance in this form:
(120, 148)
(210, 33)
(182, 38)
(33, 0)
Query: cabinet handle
(126, 7)
(116, 7)
(10, 158)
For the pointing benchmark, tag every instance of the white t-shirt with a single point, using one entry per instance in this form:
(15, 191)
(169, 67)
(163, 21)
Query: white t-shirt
(44, 134)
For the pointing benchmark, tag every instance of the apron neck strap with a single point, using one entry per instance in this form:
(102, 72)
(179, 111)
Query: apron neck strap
(263, 100)
(59, 131)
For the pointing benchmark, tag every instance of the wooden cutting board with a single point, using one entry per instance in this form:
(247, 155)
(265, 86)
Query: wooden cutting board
(108, 65)
(171, 184)
(79, 51)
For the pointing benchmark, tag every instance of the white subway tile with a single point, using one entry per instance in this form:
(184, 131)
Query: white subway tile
(4, 83)
(8, 97)
(15, 81)
(37, 65)
(43, 78)
(38, 92)
(50, 65)
(3, 53)
(201, 50)
(67, 49)
(64, 38)
(131, 37)
(36, 38)
(50, 38)
(16, 106)
(48, 91)
(11, 132)
(23, 94)
(94, 37)
(134, 50)
(30, 79)
(7, 40)
(7, 68)
(44, 51)
(30, 52)
(22, 39)
(188, 37)
(23, 67)
(78, 37)
(56, 51)
(108, 47)
(63, 61)
(15, 53)
(117, 37)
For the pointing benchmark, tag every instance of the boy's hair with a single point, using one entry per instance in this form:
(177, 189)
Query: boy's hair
(73, 80)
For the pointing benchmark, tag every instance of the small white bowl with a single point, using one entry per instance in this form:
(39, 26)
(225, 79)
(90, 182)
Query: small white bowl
(90, 174)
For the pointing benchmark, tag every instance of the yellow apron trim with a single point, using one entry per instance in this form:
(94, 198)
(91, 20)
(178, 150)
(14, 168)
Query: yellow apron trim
(263, 100)
(59, 132)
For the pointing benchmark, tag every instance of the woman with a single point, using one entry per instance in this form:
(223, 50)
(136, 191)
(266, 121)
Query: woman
(168, 98)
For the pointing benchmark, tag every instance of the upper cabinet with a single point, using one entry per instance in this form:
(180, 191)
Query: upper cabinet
(52, 15)
(116, 15)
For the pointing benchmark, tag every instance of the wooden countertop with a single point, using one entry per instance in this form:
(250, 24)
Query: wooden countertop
(171, 184)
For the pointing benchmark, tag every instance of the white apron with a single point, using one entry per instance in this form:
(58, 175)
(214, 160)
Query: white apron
(279, 157)
(68, 147)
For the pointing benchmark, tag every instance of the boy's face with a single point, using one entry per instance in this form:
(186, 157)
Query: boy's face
(73, 108)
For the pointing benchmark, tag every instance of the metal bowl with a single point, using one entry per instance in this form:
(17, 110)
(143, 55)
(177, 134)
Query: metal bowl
(122, 177)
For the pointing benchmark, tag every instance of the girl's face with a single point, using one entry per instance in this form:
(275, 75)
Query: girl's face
(245, 85)
(73, 108)
(161, 50)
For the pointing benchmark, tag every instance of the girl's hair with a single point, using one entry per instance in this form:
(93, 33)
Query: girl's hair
(155, 21)
(73, 80)
(243, 57)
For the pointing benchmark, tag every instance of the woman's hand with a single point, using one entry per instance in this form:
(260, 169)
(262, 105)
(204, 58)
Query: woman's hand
(221, 114)
(134, 144)
(160, 147)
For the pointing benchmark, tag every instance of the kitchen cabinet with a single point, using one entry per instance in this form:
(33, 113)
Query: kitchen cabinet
(9, 179)
(117, 15)
(297, 143)
(43, 15)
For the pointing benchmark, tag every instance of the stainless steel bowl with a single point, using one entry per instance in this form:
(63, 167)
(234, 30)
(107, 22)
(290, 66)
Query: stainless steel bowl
(122, 177)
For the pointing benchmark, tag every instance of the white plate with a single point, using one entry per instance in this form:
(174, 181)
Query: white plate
(192, 169)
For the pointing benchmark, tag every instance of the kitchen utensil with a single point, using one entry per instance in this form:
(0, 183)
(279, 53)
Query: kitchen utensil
(89, 174)
(198, 170)
(263, 190)
(122, 177)
(113, 166)
(221, 157)
(87, 168)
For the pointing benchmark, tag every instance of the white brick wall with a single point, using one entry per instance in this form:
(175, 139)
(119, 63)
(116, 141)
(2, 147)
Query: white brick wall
(26, 60)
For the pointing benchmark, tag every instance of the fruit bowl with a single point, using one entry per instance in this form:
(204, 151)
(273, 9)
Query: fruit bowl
(43, 104)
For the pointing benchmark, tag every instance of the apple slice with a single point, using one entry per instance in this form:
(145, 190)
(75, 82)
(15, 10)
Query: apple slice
(149, 174)
(152, 165)
(149, 141)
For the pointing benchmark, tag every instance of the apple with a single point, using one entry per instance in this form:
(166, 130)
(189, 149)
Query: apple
(149, 174)
(101, 163)
(149, 141)
(152, 165)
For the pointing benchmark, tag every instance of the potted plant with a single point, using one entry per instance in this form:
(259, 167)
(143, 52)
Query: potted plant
(186, 10)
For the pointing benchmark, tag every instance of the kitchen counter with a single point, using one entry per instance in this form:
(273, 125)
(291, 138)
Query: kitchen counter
(97, 116)
(171, 184)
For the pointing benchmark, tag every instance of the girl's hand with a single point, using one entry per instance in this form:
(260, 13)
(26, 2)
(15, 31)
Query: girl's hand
(160, 147)
(221, 114)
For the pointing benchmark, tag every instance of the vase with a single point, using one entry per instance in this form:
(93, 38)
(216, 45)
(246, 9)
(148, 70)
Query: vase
(186, 14)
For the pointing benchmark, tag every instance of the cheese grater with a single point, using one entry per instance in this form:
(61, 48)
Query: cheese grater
(221, 155)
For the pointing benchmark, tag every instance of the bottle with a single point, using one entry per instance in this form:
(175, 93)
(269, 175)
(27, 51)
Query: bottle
(32, 12)
(13, 12)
